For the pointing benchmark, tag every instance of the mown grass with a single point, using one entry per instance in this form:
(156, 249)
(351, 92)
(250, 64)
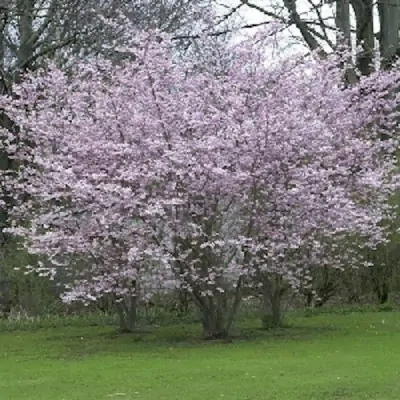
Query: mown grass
(324, 357)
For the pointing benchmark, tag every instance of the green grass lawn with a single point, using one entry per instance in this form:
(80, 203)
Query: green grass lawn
(354, 356)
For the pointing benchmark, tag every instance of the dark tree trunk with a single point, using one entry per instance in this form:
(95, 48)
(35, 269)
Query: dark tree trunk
(183, 301)
(217, 313)
(365, 34)
(271, 304)
(213, 326)
(213, 316)
(271, 312)
(309, 298)
(382, 293)
(389, 17)
(127, 313)
(382, 273)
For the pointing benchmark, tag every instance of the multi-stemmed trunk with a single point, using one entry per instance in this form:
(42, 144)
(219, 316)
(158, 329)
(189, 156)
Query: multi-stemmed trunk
(218, 312)
(213, 321)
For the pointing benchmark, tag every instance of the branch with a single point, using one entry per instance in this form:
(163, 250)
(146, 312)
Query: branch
(265, 12)
(49, 19)
(46, 51)
(221, 33)
(229, 14)
(295, 19)
(312, 43)
(321, 36)
(322, 24)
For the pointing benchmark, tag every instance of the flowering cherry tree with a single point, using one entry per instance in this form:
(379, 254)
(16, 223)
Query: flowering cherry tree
(158, 173)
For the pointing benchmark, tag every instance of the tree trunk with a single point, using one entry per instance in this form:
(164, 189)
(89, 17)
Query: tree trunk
(183, 301)
(217, 315)
(382, 271)
(271, 303)
(382, 292)
(389, 17)
(343, 24)
(213, 317)
(363, 10)
(213, 325)
(127, 313)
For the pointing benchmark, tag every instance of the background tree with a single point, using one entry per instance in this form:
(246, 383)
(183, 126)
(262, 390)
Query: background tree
(317, 23)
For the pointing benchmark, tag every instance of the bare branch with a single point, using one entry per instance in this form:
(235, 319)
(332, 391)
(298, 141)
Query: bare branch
(223, 32)
(265, 12)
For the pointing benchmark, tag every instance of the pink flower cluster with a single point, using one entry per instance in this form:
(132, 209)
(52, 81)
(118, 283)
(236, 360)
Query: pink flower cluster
(155, 173)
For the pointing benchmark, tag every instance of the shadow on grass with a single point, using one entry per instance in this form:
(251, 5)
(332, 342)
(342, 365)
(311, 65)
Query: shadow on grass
(70, 345)
(186, 335)
(287, 332)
